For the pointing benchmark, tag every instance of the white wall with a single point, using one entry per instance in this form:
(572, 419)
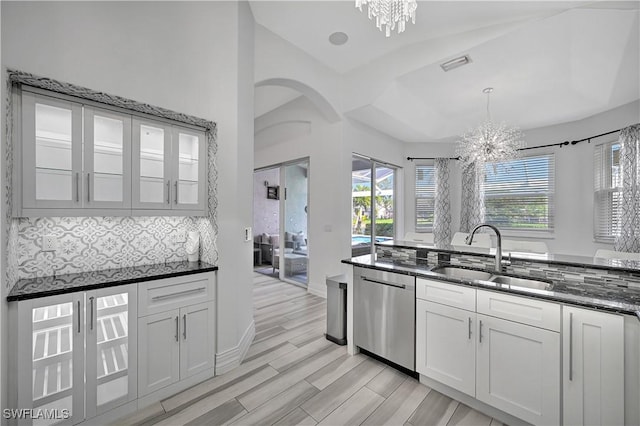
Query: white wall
(266, 212)
(191, 57)
(573, 232)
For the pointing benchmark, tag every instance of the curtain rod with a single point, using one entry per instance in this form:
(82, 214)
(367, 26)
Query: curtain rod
(560, 144)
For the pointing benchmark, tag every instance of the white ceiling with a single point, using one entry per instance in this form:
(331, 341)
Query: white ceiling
(549, 62)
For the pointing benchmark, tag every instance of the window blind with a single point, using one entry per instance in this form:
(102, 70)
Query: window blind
(519, 194)
(425, 197)
(607, 196)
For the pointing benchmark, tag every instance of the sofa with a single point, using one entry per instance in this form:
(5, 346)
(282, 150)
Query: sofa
(295, 250)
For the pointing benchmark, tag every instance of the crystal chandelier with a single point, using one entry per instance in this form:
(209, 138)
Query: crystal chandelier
(490, 142)
(389, 13)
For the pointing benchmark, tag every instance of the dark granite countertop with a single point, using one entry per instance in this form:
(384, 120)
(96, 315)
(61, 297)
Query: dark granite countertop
(623, 299)
(48, 286)
(550, 258)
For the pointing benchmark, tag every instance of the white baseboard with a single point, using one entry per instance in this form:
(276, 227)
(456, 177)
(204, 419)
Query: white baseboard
(318, 292)
(231, 358)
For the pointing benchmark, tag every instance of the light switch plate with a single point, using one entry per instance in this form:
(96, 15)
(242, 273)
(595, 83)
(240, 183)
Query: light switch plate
(247, 234)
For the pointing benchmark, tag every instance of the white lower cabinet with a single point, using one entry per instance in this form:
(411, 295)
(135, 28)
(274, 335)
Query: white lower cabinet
(518, 369)
(593, 367)
(74, 355)
(196, 346)
(505, 353)
(159, 348)
(445, 345)
(176, 338)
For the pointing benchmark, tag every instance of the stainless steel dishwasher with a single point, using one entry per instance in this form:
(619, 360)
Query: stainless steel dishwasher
(384, 315)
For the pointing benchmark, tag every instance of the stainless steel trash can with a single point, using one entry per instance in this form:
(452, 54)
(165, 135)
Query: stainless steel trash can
(337, 309)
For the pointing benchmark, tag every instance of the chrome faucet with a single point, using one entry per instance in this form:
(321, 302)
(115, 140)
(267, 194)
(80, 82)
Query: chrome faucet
(469, 240)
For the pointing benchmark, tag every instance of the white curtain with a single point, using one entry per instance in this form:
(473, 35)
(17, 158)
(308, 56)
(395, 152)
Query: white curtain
(472, 210)
(629, 238)
(442, 208)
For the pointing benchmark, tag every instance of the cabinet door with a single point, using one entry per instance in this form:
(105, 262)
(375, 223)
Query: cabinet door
(107, 159)
(111, 362)
(196, 349)
(188, 169)
(51, 365)
(593, 367)
(518, 369)
(51, 152)
(151, 166)
(445, 345)
(159, 351)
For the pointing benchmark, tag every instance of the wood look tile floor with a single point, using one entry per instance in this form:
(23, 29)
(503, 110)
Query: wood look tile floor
(292, 375)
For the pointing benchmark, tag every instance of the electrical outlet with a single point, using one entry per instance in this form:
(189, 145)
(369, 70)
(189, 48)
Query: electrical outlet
(49, 243)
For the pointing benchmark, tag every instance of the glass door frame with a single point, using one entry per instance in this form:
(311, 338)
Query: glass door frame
(282, 215)
(375, 164)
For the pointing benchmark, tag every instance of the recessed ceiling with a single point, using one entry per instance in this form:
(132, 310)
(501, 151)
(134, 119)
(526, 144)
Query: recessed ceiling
(549, 62)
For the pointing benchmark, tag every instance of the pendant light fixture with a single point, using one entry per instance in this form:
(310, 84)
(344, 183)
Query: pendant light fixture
(489, 142)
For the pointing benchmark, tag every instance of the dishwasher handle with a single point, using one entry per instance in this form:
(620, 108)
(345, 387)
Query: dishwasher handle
(402, 286)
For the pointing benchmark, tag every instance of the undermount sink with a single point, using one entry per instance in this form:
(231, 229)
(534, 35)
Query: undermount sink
(520, 282)
(474, 274)
(462, 273)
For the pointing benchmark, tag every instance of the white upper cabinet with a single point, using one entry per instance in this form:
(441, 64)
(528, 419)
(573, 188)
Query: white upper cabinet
(51, 153)
(151, 165)
(107, 164)
(78, 160)
(189, 176)
(169, 169)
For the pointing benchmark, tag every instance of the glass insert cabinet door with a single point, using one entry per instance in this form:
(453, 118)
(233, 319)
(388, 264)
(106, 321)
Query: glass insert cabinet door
(107, 154)
(111, 348)
(188, 150)
(151, 165)
(55, 364)
(52, 152)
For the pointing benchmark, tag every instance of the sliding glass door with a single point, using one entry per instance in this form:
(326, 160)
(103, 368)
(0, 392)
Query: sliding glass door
(296, 195)
(280, 223)
(373, 204)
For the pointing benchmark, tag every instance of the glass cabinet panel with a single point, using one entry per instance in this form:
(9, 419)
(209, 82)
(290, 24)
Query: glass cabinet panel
(52, 359)
(112, 351)
(187, 180)
(108, 154)
(152, 164)
(53, 152)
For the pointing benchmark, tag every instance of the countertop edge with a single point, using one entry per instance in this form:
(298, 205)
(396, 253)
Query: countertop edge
(107, 283)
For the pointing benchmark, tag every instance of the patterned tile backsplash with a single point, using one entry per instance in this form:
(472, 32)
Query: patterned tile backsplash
(577, 275)
(96, 243)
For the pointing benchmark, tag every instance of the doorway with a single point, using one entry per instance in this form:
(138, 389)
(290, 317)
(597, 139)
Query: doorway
(372, 204)
(281, 221)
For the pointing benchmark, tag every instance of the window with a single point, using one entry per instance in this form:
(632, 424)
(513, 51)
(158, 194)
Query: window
(425, 197)
(519, 193)
(607, 192)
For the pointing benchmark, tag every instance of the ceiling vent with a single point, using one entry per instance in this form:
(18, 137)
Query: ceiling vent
(455, 63)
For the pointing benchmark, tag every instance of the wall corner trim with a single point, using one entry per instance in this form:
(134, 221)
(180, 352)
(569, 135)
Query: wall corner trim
(232, 358)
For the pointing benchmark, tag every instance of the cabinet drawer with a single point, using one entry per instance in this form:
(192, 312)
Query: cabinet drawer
(520, 309)
(171, 293)
(448, 294)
